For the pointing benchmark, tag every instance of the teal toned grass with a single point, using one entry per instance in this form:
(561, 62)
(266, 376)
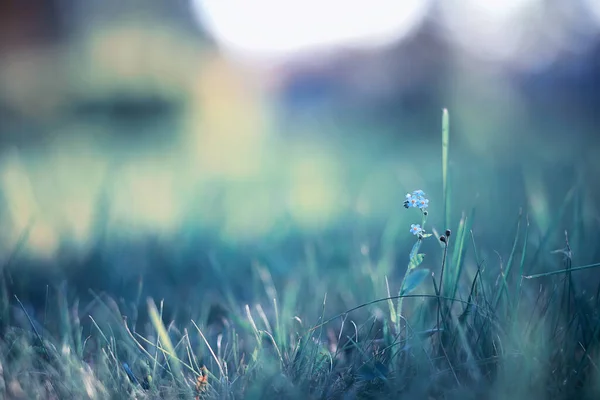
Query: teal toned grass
(484, 328)
(445, 181)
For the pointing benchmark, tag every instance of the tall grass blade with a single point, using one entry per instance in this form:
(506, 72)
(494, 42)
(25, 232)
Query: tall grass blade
(452, 270)
(445, 144)
(461, 251)
(522, 265)
(508, 264)
(393, 317)
(164, 337)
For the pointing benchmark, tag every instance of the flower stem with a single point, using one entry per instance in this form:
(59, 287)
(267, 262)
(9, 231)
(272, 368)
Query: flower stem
(441, 285)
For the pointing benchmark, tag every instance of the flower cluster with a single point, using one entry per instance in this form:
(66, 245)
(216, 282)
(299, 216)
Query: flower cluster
(414, 276)
(418, 200)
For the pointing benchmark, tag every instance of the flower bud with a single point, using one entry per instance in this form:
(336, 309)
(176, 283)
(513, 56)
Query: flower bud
(443, 239)
(448, 232)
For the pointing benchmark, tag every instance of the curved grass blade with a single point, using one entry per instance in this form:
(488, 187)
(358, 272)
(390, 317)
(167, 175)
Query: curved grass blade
(164, 337)
(562, 271)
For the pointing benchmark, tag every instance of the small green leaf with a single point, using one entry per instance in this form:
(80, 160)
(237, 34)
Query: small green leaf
(414, 279)
(415, 249)
(416, 261)
(427, 235)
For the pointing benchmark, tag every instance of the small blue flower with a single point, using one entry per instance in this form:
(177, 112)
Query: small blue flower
(422, 202)
(418, 193)
(415, 229)
(411, 201)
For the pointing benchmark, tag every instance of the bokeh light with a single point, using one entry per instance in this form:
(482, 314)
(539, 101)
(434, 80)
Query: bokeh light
(594, 7)
(272, 28)
(522, 34)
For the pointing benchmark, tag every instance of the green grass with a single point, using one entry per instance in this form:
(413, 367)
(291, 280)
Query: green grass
(472, 327)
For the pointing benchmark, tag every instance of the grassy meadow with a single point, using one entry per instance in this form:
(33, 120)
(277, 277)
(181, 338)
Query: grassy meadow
(492, 296)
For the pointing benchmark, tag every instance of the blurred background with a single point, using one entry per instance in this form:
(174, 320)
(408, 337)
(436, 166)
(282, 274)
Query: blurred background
(183, 140)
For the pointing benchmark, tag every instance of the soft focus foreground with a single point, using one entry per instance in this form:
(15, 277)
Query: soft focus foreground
(175, 153)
